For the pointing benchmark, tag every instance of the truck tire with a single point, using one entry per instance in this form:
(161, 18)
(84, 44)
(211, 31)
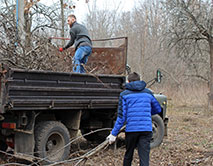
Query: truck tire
(158, 131)
(3, 146)
(51, 138)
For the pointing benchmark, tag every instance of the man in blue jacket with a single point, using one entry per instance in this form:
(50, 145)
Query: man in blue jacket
(79, 36)
(136, 106)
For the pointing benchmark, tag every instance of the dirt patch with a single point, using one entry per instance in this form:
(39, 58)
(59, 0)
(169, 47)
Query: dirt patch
(189, 143)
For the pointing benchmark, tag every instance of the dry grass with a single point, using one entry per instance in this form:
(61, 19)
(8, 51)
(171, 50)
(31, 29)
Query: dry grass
(190, 139)
(189, 143)
(192, 95)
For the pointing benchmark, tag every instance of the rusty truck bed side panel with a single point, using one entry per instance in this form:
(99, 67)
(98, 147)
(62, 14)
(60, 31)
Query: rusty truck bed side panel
(46, 90)
(104, 59)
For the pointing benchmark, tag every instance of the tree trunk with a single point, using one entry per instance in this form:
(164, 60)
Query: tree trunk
(27, 29)
(62, 20)
(21, 21)
(210, 106)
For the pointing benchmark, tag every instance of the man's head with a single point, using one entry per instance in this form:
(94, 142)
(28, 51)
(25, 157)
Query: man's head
(71, 19)
(133, 77)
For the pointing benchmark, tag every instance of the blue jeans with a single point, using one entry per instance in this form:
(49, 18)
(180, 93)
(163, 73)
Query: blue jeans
(81, 57)
(141, 140)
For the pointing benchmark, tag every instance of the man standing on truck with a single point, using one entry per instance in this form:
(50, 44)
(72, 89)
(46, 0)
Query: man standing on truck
(83, 44)
(135, 108)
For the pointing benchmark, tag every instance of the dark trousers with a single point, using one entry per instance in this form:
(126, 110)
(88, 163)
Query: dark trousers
(141, 140)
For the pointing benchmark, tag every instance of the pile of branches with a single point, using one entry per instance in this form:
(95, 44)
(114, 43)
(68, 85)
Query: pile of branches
(77, 158)
(34, 51)
(41, 54)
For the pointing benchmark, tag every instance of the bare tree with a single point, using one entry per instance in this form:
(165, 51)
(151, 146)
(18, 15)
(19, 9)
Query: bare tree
(190, 32)
(102, 22)
(144, 28)
(32, 53)
(66, 7)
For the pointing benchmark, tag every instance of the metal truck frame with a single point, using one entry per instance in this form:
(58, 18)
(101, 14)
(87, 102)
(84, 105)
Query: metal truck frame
(41, 111)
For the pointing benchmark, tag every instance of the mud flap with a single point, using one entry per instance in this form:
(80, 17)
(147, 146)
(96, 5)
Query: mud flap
(72, 121)
(166, 120)
(24, 143)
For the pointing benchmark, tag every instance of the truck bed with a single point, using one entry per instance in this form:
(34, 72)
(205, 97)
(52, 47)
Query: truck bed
(47, 90)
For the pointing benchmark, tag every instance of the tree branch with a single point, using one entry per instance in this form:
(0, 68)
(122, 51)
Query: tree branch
(202, 30)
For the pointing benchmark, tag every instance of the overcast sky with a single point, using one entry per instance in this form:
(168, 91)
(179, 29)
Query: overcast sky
(81, 7)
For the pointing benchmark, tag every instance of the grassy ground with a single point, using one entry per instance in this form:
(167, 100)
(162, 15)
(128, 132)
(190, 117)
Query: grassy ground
(189, 143)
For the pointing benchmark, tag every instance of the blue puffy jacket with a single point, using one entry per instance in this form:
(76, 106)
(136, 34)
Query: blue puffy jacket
(136, 106)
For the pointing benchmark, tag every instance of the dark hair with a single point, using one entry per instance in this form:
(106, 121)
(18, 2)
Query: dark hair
(133, 77)
(72, 15)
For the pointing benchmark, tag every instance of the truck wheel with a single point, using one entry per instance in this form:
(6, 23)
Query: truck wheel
(158, 131)
(3, 146)
(50, 140)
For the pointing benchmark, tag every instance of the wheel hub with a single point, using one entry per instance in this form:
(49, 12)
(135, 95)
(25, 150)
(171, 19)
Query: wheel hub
(49, 145)
(54, 146)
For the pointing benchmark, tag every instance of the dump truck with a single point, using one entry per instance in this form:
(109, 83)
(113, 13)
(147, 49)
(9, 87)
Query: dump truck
(41, 111)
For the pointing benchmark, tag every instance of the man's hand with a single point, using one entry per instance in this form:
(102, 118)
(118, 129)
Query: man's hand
(111, 138)
(61, 49)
